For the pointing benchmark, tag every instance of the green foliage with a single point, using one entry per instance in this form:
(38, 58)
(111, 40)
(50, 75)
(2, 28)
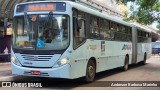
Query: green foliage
(143, 11)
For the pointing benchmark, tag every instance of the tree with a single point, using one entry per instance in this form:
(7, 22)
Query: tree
(143, 11)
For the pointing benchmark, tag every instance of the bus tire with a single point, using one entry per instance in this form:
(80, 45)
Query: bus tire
(145, 59)
(126, 62)
(90, 71)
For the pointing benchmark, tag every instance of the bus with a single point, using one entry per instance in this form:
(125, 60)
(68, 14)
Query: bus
(156, 47)
(65, 39)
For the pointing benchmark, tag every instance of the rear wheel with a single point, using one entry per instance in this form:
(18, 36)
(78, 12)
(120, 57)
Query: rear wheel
(126, 62)
(145, 59)
(90, 71)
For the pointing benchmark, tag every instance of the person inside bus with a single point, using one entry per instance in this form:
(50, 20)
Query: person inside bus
(47, 36)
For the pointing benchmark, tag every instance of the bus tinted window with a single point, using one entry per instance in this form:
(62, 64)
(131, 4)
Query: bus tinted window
(143, 36)
(100, 28)
(94, 27)
(79, 28)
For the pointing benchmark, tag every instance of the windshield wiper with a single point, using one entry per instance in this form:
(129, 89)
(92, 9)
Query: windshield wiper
(50, 15)
(26, 18)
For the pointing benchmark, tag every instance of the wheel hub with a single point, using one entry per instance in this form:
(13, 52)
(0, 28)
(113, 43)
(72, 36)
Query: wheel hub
(91, 71)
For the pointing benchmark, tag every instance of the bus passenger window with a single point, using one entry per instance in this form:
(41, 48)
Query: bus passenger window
(75, 27)
(102, 29)
(94, 28)
(78, 30)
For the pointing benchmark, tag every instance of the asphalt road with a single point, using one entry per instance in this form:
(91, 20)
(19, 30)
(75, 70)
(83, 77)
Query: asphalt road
(144, 73)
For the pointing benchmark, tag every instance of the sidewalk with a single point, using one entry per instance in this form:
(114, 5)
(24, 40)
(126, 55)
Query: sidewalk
(4, 63)
(155, 55)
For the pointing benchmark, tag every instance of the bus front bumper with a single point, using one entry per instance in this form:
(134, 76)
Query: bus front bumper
(59, 72)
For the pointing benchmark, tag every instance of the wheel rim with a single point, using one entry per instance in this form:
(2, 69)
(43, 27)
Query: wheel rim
(126, 66)
(90, 72)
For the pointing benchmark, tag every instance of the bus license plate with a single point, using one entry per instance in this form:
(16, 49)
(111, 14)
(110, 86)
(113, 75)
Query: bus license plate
(35, 72)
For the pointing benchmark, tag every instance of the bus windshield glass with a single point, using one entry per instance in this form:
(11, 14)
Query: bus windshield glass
(41, 32)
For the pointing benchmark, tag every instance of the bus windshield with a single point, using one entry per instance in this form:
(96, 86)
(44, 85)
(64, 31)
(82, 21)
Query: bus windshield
(41, 32)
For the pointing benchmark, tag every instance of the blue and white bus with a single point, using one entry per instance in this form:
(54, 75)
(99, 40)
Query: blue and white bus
(156, 47)
(65, 39)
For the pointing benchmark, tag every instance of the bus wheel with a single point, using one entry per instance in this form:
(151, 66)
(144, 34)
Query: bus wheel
(90, 71)
(144, 60)
(126, 62)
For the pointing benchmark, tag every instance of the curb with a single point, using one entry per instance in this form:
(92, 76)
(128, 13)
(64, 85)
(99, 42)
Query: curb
(5, 63)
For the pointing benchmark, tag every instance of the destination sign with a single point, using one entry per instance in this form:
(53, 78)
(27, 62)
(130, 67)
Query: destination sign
(35, 7)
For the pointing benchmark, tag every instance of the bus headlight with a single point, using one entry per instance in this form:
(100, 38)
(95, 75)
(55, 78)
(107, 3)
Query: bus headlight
(63, 61)
(15, 61)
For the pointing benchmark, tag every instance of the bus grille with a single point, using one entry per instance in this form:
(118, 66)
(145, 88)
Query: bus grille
(37, 57)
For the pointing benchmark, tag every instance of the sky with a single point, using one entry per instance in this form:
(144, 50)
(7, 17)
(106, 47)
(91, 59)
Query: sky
(154, 25)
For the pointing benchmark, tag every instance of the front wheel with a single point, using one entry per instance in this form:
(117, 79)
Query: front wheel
(90, 71)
